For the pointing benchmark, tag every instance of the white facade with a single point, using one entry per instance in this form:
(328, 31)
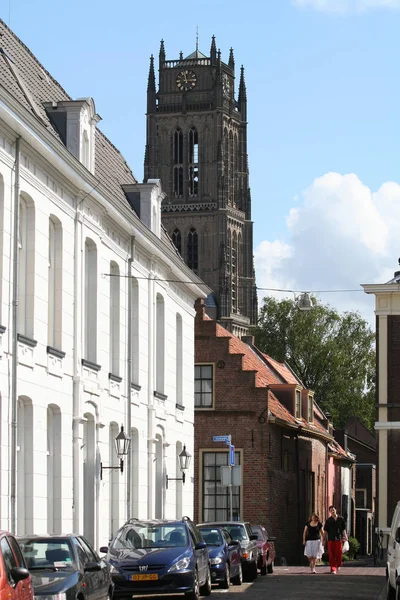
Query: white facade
(87, 264)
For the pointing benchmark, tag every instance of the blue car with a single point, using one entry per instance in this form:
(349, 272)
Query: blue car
(159, 557)
(225, 556)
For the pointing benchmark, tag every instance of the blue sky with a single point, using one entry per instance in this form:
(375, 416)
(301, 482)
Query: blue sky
(323, 110)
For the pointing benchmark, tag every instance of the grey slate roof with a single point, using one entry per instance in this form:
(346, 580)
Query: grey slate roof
(19, 70)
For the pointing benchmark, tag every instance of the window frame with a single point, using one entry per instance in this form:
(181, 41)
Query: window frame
(212, 405)
(297, 404)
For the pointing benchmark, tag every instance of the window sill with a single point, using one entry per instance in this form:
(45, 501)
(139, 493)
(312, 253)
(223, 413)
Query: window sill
(179, 407)
(3, 328)
(90, 365)
(26, 340)
(55, 352)
(160, 396)
(205, 408)
(115, 378)
(136, 387)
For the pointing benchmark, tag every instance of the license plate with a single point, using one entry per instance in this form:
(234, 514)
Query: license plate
(145, 577)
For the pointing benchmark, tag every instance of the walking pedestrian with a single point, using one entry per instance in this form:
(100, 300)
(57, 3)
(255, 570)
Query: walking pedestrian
(312, 540)
(335, 534)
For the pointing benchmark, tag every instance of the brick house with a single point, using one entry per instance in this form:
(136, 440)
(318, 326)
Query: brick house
(282, 439)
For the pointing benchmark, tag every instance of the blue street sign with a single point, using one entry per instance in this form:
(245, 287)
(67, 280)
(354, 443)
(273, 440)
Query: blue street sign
(232, 456)
(222, 438)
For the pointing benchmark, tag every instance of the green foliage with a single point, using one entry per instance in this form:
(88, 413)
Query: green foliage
(332, 353)
(354, 547)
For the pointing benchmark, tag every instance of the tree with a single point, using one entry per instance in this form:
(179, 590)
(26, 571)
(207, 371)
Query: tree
(332, 353)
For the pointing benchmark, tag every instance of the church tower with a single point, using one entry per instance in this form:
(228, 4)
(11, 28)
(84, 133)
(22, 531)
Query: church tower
(196, 143)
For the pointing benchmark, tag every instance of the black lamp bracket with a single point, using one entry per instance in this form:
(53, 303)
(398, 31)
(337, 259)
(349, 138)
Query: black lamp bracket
(120, 468)
(175, 479)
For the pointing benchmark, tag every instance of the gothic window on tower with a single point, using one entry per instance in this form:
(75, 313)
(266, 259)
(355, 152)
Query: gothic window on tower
(192, 250)
(178, 163)
(231, 169)
(177, 240)
(193, 162)
(226, 163)
(234, 273)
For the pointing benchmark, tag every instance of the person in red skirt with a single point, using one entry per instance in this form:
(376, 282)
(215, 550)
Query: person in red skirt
(335, 533)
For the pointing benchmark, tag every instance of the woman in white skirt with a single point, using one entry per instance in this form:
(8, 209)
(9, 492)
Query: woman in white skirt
(312, 540)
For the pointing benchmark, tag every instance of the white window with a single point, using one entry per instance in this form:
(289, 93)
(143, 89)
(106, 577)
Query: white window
(114, 318)
(25, 513)
(297, 413)
(90, 308)
(114, 480)
(54, 317)
(179, 360)
(54, 470)
(160, 344)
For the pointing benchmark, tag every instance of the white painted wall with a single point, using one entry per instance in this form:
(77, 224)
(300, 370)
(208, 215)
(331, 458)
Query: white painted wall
(88, 402)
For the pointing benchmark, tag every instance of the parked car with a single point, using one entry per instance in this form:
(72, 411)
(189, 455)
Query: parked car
(241, 531)
(266, 549)
(393, 557)
(66, 566)
(15, 579)
(225, 556)
(159, 557)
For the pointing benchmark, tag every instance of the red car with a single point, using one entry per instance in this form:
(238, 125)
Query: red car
(15, 579)
(266, 549)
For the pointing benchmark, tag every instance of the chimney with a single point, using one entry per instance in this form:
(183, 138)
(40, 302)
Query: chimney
(200, 309)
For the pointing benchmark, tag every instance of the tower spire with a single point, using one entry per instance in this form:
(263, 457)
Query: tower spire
(161, 55)
(197, 39)
(151, 82)
(242, 99)
(213, 50)
(231, 62)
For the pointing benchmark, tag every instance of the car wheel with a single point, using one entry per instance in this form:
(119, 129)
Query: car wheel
(270, 567)
(397, 596)
(227, 580)
(389, 591)
(254, 571)
(263, 569)
(238, 579)
(195, 593)
(206, 588)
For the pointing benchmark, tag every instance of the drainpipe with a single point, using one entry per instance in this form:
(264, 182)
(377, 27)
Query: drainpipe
(298, 496)
(129, 380)
(150, 396)
(14, 398)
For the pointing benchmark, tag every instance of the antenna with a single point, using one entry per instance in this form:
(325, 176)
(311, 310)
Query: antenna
(197, 38)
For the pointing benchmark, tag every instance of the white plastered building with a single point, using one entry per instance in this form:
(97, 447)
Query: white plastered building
(96, 321)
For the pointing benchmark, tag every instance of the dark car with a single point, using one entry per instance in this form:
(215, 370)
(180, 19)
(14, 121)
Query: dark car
(241, 531)
(159, 557)
(266, 549)
(66, 567)
(225, 556)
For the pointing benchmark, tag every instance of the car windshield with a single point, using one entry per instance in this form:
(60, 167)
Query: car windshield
(212, 537)
(256, 529)
(47, 554)
(142, 535)
(237, 532)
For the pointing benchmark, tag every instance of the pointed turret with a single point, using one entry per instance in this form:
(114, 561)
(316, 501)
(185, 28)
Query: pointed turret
(242, 99)
(231, 62)
(161, 55)
(213, 51)
(181, 55)
(151, 88)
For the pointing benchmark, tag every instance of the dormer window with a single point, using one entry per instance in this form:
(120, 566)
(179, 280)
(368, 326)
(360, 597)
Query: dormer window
(297, 409)
(310, 409)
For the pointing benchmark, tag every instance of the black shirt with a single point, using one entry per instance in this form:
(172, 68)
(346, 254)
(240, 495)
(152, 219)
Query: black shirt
(313, 532)
(335, 528)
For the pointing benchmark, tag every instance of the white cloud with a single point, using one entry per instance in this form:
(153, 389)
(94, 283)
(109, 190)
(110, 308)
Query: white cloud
(340, 234)
(347, 6)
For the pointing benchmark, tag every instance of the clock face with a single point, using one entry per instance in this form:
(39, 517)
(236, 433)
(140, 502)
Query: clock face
(186, 80)
(226, 85)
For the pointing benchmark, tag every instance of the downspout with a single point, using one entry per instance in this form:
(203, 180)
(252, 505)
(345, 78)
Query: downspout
(299, 530)
(129, 380)
(14, 398)
(150, 396)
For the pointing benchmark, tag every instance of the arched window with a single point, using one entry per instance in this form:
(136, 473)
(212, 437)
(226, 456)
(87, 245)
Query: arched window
(177, 240)
(160, 344)
(89, 477)
(178, 163)
(178, 486)
(135, 466)
(179, 360)
(231, 167)
(226, 164)
(192, 250)
(54, 470)
(114, 317)
(193, 162)
(90, 315)
(25, 476)
(26, 272)
(54, 306)
(159, 477)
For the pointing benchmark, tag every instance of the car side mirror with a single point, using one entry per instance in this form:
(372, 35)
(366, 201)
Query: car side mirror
(92, 566)
(253, 536)
(19, 573)
(200, 546)
(104, 549)
(397, 537)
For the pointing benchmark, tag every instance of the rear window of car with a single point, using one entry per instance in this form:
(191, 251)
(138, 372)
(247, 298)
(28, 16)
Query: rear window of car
(142, 535)
(257, 531)
(237, 532)
(212, 537)
(47, 554)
